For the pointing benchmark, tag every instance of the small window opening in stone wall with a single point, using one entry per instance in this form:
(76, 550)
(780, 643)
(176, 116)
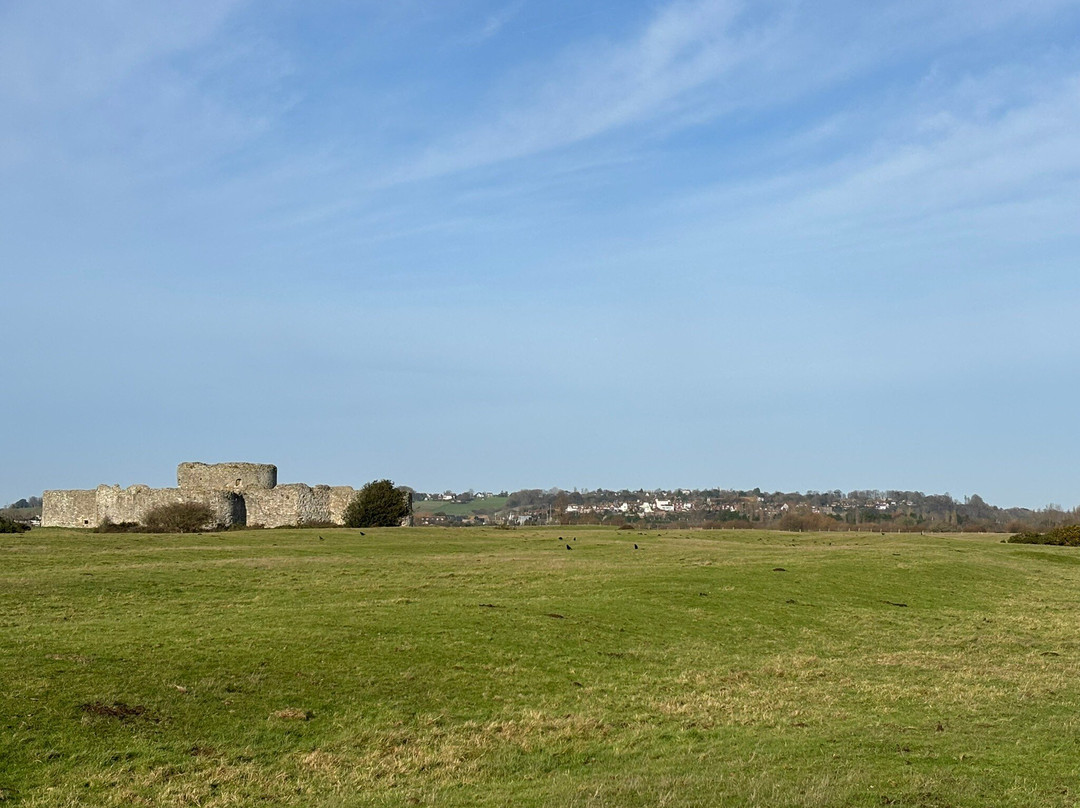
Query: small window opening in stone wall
(237, 482)
(86, 521)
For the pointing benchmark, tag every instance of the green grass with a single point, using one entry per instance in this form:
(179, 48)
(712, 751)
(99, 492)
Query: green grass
(488, 505)
(461, 667)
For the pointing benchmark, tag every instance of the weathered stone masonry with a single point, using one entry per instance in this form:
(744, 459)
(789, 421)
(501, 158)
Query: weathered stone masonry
(237, 493)
(226, 476)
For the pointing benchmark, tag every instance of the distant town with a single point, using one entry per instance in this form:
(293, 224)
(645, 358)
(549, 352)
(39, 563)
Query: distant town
(721, 508)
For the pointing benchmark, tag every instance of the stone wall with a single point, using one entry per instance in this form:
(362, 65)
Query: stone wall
(286, 505)
(133, 503)
(69, 509)
(238, 477)
(237, 493)
(91, 508)
(340, 497)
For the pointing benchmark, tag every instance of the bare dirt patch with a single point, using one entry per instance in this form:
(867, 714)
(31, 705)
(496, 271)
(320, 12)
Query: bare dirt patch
(118, 710)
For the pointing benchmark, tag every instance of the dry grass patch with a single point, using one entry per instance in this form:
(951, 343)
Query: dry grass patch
(80, 659)
(292, 714)
(220, 785)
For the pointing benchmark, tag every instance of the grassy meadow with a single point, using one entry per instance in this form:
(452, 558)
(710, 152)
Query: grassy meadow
(485, 505)
(485, 667)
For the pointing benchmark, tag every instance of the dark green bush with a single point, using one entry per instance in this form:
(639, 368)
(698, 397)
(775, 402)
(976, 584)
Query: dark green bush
(180, 517)
(1064, 536)
(378, 504)
(11, 526)
(109, 526)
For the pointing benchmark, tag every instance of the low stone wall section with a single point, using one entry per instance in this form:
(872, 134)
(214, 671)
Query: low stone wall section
(116, 504)
(340, 497)
(288, 505)
(238, 477)
(69, 509)
(133, 503)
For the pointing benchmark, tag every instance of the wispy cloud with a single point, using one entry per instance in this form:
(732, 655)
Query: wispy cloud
(55, 53)
(598, 87)
(696, 60)
(132, 88)
(952, 163)
(494, 23)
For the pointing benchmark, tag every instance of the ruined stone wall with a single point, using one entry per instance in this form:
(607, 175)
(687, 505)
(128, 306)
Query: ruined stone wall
(133, 503)
(69, 509)
(287, 505)
(238, 477)
(237, 493)
(90, 508)
(340, 497)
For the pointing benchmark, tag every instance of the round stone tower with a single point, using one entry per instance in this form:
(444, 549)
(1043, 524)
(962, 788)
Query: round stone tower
(238, 477)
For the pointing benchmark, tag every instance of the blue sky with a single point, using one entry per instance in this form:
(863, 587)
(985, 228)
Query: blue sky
(529, 244)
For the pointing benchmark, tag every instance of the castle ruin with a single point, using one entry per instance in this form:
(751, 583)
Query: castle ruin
(236, 493)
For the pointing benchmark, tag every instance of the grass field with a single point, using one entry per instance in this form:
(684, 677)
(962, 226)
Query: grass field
(458, 667)
(486, 505)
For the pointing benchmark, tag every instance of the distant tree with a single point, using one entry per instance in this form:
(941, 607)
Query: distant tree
(378, 504)
(803, 518)
(525, 498)
(559, 505)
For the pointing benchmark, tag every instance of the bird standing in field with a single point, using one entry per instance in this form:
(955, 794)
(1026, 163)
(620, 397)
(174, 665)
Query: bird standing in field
(568, 547)
(635, 546)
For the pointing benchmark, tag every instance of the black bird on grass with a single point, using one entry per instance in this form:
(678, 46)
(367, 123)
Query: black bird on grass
(568, 547)
(321, 538)
(635, 546)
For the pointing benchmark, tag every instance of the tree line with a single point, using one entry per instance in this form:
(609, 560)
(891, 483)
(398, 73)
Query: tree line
(870, 509)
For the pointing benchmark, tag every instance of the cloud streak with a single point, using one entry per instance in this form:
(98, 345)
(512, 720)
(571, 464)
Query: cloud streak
(695, 62)
(602, 87)
(54, 54)
(494, 23)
